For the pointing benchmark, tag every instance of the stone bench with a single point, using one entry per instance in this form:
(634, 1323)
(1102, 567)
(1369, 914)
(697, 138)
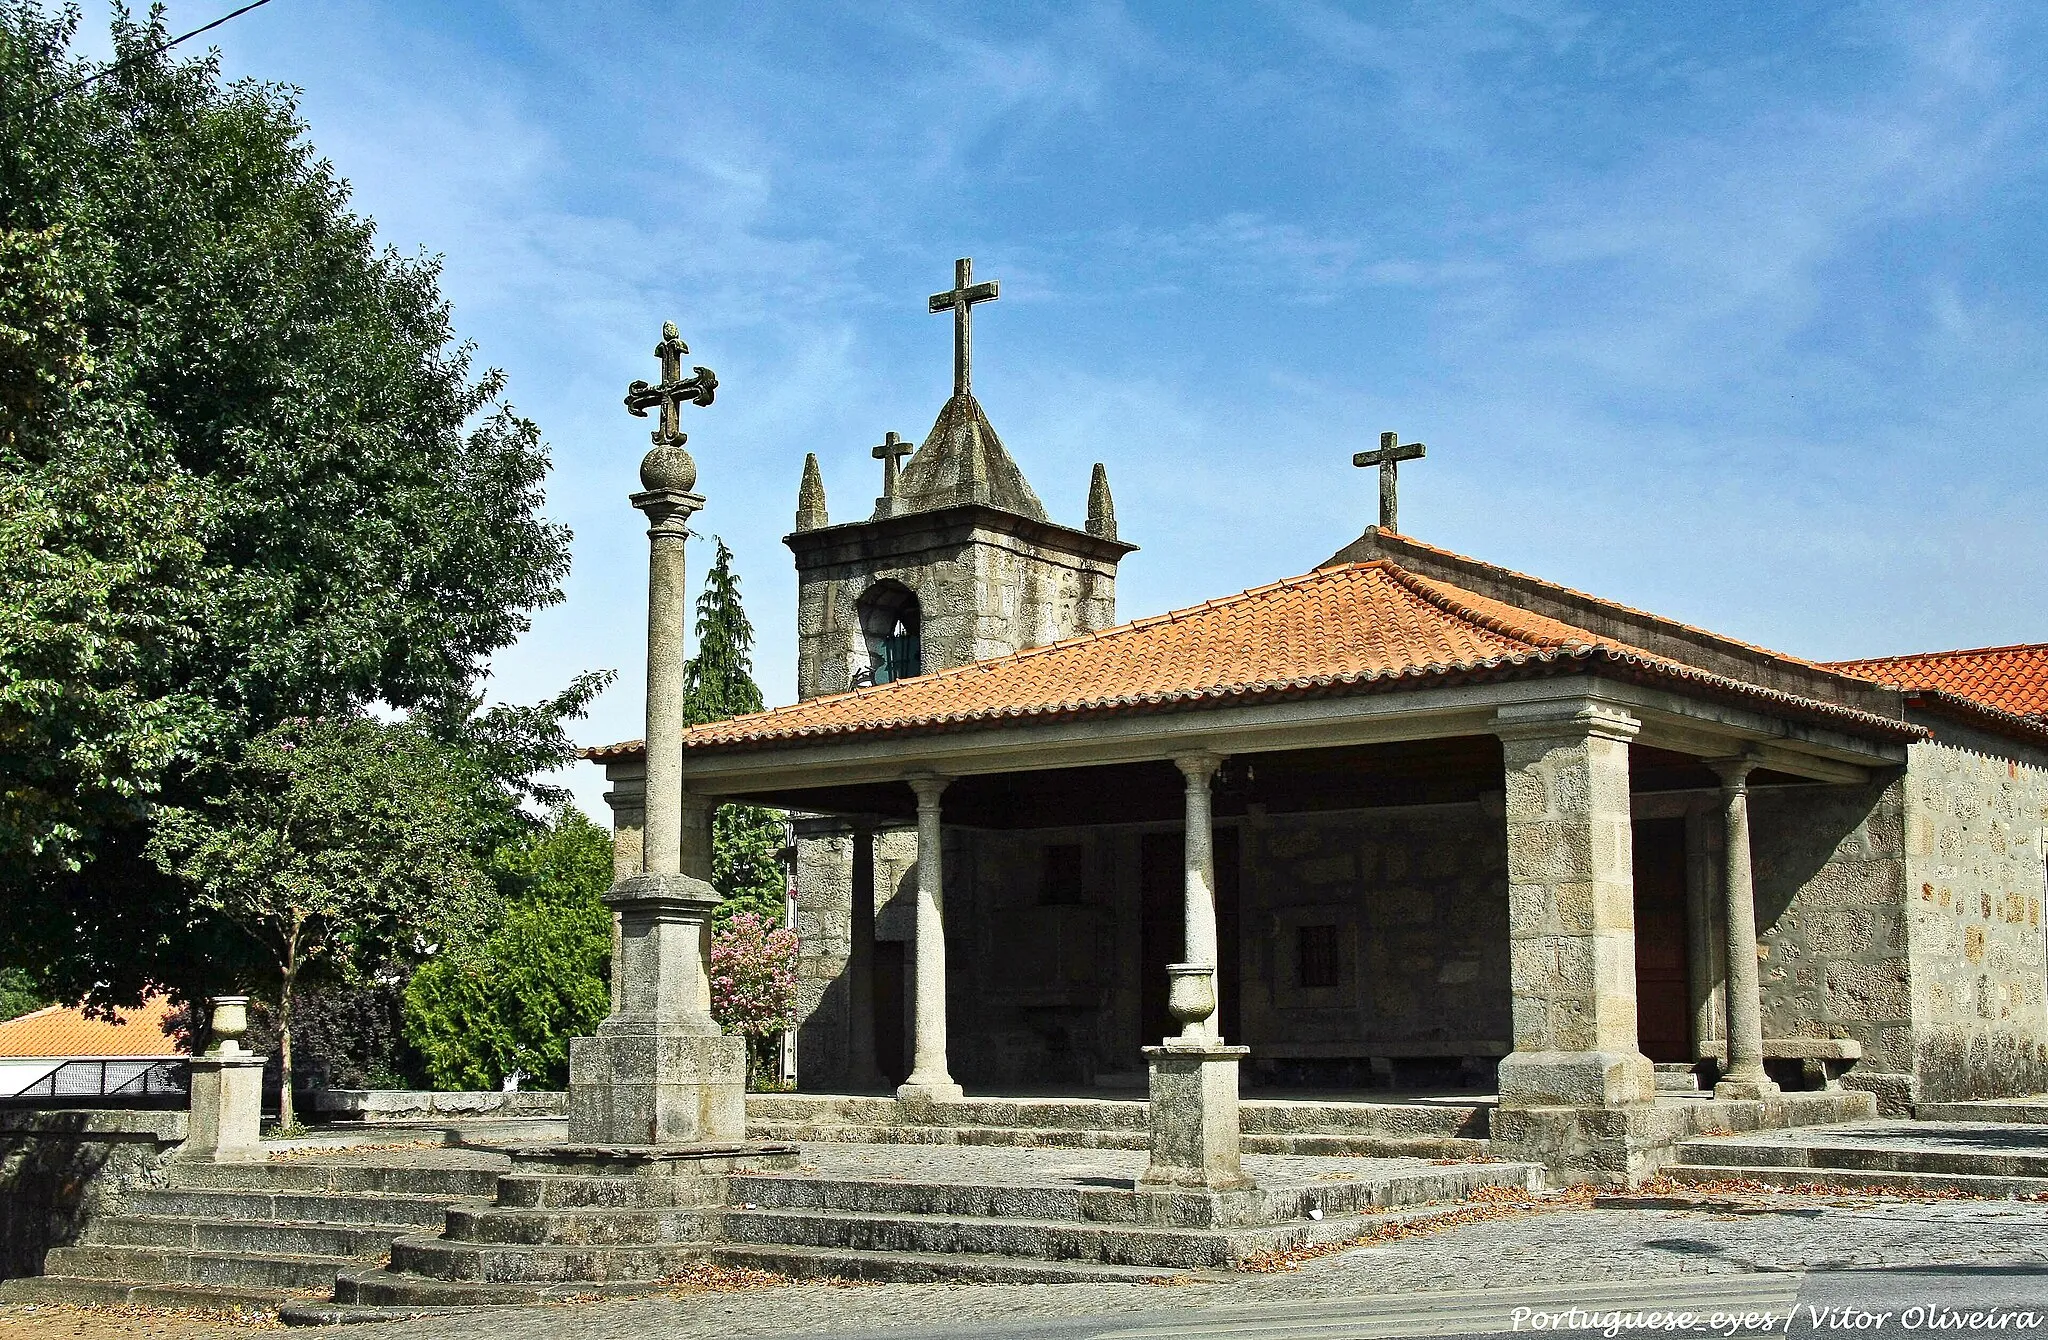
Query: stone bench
(1822, 1061)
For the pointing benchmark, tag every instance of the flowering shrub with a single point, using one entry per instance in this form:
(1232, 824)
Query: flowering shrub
(753, 983)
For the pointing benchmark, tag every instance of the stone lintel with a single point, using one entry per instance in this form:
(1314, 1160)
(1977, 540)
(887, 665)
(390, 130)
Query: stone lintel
(1565, 717)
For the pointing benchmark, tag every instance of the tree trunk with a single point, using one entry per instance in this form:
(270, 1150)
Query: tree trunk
(286, 1117)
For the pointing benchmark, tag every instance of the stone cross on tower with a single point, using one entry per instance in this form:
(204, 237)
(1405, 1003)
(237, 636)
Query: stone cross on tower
(961, 302)
(893, 449)
(1388, 458)
(674, 390)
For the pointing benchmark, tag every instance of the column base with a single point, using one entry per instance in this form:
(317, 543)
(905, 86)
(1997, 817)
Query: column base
(1577, 1079)
(1746, 1088)
(1196, 1138)
(656, 1085)
(916, 1090)
(227, 1110)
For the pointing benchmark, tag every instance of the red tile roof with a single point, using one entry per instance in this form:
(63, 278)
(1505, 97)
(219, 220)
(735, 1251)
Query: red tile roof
(2012, 679)
(1351, 628)
(61, 1030)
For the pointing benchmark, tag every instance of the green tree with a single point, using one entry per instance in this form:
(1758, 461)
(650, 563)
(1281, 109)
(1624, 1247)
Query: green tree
(247, 474)
(539, 979)
(746, 866)
(339, 843)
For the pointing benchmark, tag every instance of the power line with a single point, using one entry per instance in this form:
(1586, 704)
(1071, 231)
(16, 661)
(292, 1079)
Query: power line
(106, 70)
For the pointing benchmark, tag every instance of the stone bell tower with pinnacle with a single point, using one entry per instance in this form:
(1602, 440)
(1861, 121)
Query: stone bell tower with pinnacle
(958, 562)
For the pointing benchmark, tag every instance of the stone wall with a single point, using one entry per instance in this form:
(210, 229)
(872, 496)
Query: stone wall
(1974, 887)
(59, 1168)
(1418, 896)
(1829, 869)
(824, 912)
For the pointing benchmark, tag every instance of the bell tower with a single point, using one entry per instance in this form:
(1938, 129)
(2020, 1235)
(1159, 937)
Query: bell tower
(958, 561)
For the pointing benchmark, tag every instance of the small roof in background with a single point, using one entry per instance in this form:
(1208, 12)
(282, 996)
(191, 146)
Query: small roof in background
(2012, 679)
(64, 1030)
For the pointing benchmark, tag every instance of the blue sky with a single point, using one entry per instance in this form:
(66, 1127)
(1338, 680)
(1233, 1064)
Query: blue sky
(1738, 313)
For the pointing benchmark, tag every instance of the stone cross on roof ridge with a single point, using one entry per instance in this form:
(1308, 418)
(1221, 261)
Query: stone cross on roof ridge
(674, 390)
(960, 301)
(1388, 458)
(890, 454)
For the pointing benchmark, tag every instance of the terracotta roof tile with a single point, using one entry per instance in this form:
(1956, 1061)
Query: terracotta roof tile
(2012, 679)
(1348, 628)
(61, 1030)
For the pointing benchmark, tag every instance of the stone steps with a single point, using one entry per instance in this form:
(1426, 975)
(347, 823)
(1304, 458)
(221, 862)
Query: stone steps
(536, 1263)
(1859, 1158)
(800, 1262)
(1994, 1188)
(184, 1265)
(254, 1236)
(296, 1238)
(586, 1227)
(404, 1293)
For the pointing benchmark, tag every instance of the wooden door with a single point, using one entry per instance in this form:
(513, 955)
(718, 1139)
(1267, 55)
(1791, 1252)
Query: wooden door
(1663, 991)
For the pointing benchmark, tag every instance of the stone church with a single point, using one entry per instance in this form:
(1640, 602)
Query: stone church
(1435, 824)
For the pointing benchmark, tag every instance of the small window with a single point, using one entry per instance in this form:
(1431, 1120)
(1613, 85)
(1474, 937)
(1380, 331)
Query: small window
(1315, 957)
(891, 623)
(1065, 874)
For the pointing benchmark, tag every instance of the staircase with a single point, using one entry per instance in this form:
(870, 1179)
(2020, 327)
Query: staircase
(890, 1213)
(1978, 1159)
(253, 1236)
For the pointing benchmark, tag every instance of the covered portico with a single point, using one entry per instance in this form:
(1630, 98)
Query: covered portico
(1525, 752)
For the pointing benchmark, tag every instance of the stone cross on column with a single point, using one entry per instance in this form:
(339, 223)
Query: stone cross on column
(675, 389)
(960, 301)
(892, 450)
(1388, 458)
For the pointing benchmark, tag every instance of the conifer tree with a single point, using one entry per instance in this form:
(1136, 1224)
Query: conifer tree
(719, 683)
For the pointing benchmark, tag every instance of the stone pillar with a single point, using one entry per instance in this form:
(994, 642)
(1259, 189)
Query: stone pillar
(628, 802)
(1571, 909)
(1706, 940)
(861, 1070)
(1744, 1078)
(930, 1077)
(227, 1093)
(1196, 1135)
(660, 1071)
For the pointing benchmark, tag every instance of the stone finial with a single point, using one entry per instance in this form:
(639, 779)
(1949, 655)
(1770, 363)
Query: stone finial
(1101, 508)
(810, 496)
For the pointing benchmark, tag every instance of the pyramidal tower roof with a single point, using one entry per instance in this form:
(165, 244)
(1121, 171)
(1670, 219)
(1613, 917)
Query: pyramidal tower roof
(963, 461)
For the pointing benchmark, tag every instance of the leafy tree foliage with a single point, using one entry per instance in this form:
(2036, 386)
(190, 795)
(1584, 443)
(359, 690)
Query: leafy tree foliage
(18, 994)
(746, 839)
(247, 474)
(539, 979)
(339, 843)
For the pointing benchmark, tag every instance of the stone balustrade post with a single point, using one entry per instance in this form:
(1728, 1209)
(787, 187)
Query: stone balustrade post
(1744, 1078)
(930, 1077)
(227, 1093)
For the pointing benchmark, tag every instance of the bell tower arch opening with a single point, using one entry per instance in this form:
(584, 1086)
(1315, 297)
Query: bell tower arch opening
(892, 626)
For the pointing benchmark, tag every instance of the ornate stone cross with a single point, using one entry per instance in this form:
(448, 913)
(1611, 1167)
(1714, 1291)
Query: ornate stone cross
(892, 449)
(960, 302)
(1388, 458)
(675, 389)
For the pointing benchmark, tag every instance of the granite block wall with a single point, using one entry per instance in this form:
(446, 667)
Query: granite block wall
(1973, 911)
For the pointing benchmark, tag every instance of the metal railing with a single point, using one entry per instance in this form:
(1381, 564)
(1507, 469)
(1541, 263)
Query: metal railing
(138, 1079)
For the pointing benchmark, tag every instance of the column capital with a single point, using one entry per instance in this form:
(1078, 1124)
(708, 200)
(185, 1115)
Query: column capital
(928, 787)
(1571, 717)
(1198, 768)
(1733, 770)
(668, 511)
